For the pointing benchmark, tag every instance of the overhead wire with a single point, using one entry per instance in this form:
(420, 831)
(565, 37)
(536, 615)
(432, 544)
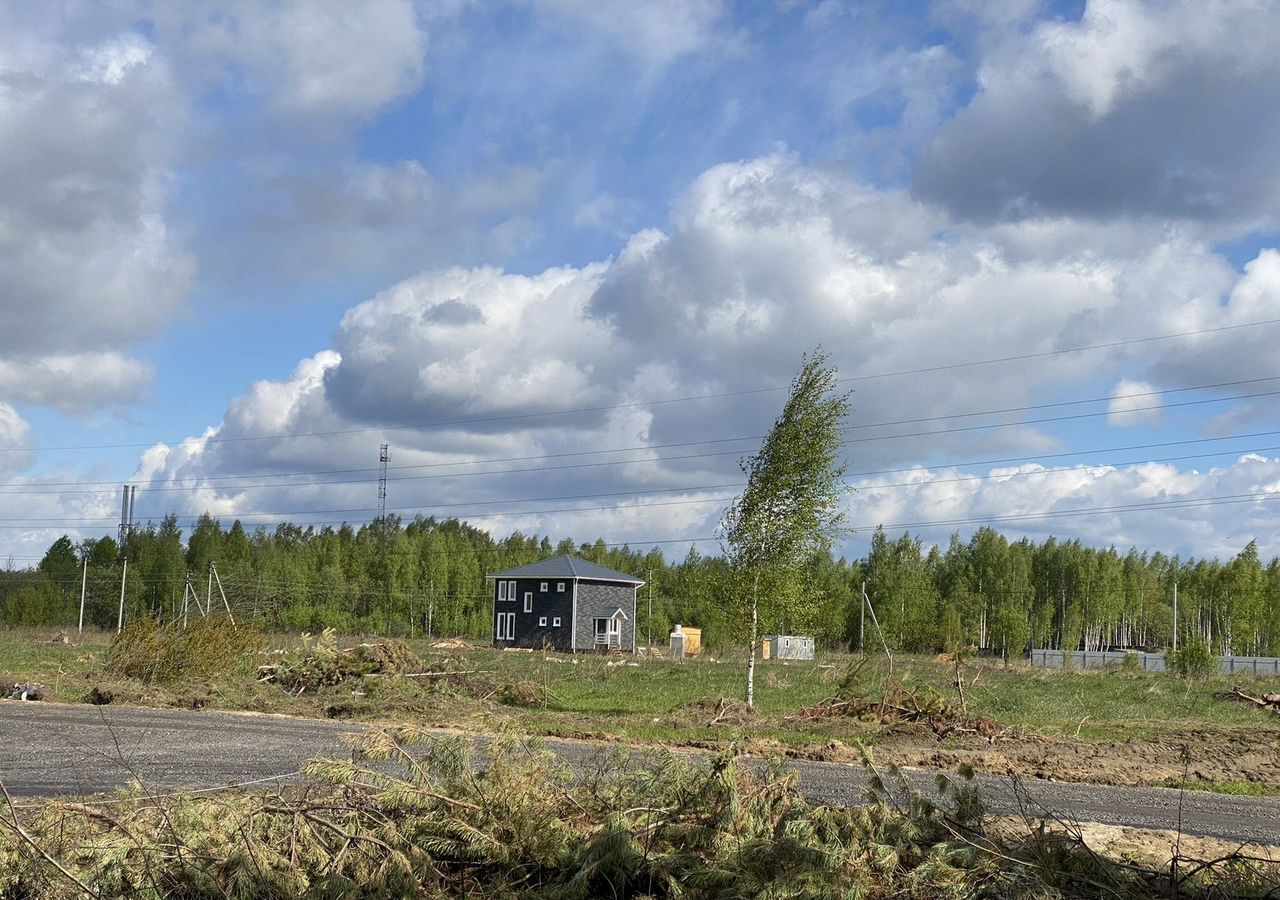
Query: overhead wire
(639, 403)
(933, 432)
(167, 488)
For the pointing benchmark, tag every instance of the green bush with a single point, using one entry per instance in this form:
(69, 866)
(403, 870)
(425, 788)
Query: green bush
(1194, 662)
(155, 653)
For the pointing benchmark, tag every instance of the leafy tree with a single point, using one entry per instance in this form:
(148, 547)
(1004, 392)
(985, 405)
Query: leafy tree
(789, 511)
(60, 563)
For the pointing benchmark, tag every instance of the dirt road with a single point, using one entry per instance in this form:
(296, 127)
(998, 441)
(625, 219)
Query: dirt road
(51, 749)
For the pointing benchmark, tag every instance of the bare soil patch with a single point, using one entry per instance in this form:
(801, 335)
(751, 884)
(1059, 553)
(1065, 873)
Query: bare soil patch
(1251, 755)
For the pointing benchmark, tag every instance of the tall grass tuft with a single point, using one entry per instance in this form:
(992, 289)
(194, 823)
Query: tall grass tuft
(160, 654)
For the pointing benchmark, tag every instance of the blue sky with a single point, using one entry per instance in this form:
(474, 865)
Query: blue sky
(226, 222)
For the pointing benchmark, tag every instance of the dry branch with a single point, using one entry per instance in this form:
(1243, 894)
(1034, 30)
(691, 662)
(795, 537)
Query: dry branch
(1263, 701)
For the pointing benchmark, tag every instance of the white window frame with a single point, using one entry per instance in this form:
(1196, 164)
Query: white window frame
(555, 623)
(506, 627)
(502, 591)
(511, 591)
(528, 601)
(542, 621)
(560, 587)
(543, 587)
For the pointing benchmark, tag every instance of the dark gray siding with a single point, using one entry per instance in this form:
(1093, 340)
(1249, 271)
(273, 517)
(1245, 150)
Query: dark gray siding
(549, 604)
(602, 599)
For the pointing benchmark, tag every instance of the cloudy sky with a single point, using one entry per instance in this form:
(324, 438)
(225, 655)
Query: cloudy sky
(563, 256)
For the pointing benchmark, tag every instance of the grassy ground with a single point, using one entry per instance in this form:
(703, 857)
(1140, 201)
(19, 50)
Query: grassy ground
(1128, 727)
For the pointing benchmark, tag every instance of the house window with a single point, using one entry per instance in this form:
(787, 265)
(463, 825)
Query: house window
(543, 588)
(560, 586)
(511, 591)
(542, 621)
(555, 623)
(502, 590)
(506, 630)
(528, 601)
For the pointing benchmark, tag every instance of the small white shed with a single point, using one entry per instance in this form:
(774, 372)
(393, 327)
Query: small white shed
(788, 646)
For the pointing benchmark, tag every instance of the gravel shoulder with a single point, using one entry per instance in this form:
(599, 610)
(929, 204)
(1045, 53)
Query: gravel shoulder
(49, 749)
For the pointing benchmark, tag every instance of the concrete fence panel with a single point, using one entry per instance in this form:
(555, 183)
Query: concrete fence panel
(1149, 662)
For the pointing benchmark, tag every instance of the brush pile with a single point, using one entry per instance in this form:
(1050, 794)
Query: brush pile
(1262, 701)
(414, 815)
(919, 705)
(318, 662)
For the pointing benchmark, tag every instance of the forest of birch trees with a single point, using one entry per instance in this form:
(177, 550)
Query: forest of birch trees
(981, 591)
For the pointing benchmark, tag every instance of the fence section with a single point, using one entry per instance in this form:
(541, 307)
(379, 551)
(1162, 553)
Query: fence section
(1148, 662)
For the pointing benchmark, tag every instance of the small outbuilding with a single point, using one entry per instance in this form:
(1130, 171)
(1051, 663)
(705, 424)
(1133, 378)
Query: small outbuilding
(566, 604)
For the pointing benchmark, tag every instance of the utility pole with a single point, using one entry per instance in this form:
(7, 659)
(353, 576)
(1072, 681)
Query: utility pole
(84, 578)
(862, 622)
(213, 572)
(1175, 615)
(124, 574)
(384, 456)
(126, 528)
(866, 604)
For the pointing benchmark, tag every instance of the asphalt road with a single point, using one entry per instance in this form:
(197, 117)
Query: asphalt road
(57, 750)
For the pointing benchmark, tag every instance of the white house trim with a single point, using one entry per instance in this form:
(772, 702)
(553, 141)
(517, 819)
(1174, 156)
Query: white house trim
(573, 619)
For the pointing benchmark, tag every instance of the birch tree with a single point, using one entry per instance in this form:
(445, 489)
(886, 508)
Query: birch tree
(790, 509)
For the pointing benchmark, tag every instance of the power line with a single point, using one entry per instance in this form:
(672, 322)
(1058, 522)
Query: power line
(174, 488)
(871, 488)
(639, 403)
(53, 522)
(1155, 505)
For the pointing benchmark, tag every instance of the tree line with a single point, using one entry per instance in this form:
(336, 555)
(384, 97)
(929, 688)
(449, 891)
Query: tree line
(427, 575)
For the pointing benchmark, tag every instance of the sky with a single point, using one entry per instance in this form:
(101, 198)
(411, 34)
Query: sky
(564, 257)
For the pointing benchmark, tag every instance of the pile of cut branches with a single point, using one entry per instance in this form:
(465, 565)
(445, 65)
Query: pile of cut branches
(318, 662)
(415, 815)
(1262, 701)
(920, 705)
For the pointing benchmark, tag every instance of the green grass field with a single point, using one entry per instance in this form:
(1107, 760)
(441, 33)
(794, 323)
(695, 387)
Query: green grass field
(680, 702)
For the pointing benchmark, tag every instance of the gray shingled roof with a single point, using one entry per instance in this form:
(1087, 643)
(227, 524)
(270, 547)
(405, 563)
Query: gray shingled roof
(566, 567)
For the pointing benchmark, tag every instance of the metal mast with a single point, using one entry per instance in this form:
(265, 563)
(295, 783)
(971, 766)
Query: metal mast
(384, 456)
